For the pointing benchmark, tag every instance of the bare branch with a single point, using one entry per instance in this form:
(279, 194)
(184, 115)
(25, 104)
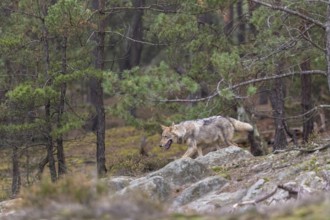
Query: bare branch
(252, 81)
(152, 7)
(292, 12)
(136, 41)
(267, 78)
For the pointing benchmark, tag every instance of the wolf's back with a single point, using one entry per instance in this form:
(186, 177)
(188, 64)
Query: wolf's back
(241, 126)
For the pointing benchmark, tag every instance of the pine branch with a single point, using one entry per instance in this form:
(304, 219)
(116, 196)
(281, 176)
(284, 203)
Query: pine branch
(22, 12)
(292, 12)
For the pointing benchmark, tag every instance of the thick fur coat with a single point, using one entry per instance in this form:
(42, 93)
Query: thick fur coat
(203, 132)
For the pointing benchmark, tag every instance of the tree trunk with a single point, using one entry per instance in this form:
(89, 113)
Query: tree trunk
(277, 100)
(97, 91)
(241, 26)
(306, 101)
(16, 181)
(134, 49)
(60, 149)
(49, 143)
(252, 6)
(228, 18)
(327, 24)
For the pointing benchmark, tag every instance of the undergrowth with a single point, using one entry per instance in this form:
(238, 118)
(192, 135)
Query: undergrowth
(77, 188)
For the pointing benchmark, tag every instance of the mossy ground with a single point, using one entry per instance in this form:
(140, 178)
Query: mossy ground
(122, 157)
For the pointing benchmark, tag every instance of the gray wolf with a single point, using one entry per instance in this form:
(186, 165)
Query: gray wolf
(202, 132)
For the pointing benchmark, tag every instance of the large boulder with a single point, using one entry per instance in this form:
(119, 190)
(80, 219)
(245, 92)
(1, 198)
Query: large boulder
(224, 156)
(199, 189)
(154, 187)
(117, 183)
(182, 171)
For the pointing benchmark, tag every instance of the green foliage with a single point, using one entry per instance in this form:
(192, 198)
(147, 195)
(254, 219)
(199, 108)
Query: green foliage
(9, 42)
(67, 17)
(251, 90)
(174, 28)
(227, 94)
(226, 63)
(26, 95)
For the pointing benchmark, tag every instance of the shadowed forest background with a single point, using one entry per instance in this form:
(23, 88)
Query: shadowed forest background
(85, 85)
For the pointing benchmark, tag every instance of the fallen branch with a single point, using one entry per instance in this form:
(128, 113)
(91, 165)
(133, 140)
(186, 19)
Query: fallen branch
(254, 202)
(289, 189)
(303, 150)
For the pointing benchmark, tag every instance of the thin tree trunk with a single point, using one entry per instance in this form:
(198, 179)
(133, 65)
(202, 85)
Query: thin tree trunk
(306, 101)
(328, 42)
(16, 181)
(134, 49)
(241, 26)
(49, 143)
(41, 167)
(60, 149)
(228, 18)
(97, 91)
(277, 100)
(252, 6)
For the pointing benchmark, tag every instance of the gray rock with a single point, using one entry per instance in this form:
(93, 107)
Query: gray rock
(182, 171)
(154, 187)
(224, 156)
(199, 189)
(213, 201)
(311, 180)
(118, 183)
(255, 190)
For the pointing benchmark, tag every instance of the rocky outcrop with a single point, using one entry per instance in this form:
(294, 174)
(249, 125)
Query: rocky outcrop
(232, 180)
(225, 182)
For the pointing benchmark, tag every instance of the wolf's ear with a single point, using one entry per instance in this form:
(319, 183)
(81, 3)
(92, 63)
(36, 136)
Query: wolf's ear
(163, 127)
(173, 124)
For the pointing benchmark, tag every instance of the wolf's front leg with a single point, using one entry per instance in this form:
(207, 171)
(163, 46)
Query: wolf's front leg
(200, 151)
(192, 148)
(190, 152)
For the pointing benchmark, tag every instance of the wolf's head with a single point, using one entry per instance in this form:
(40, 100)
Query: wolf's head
(171, 134)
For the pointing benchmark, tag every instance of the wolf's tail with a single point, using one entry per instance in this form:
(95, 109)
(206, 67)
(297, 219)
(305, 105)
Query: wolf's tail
(241, 126)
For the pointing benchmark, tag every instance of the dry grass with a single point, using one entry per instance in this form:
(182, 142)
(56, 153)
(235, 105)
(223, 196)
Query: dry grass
(122, 157)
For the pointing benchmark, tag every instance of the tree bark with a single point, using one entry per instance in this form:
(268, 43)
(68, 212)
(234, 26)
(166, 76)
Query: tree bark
(50, 143)
(327, 29)
(134, 49)
(228, 18)
(59, 140)
(241, 26)
(48, 131)
(16, 181)
(306, 101)
(277, 101)
(97, 91)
